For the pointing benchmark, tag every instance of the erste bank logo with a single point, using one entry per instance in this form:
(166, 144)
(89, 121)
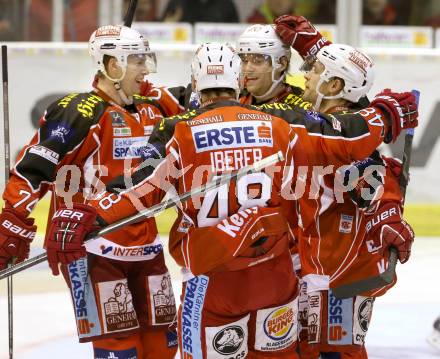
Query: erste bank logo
(235, 134)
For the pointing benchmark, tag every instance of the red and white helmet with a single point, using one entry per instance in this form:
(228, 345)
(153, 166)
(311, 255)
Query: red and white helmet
(120, 42)
(216, 65)
(349, 64)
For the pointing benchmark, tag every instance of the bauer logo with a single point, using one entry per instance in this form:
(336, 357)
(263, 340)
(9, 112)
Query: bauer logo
(232, 135)
(124, 148)
(228, 341)
(215, 70)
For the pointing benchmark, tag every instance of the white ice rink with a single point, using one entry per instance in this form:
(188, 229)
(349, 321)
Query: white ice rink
(44, 325)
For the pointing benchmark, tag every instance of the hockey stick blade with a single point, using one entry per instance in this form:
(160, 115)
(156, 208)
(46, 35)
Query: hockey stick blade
(129, 16)
(352, 289)
(158, 208)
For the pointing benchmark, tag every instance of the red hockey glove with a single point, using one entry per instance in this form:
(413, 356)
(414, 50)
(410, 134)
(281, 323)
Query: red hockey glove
(16, 234)
(386, 228)
(145, 88)
(401, 109)
(299, 33)
(66, 234)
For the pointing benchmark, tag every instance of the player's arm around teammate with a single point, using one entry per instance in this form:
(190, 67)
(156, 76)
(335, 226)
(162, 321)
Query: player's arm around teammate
(336, 82)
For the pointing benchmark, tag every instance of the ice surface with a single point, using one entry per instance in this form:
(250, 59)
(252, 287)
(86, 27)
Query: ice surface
(44, 326)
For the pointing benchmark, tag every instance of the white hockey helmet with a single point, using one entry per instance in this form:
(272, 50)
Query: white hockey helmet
(262, 39)
(349, 64)
(120, 42)
(216, 65)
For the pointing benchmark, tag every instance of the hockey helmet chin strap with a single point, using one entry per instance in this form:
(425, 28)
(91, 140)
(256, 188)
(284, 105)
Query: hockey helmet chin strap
(321, 96)
(128, 100)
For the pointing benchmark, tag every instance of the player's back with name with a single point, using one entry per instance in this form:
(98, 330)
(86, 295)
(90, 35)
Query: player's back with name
(227, 136)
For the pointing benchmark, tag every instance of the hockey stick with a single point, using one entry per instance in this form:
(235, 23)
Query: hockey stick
(160, 207)
(128, 18)
(352, 289)
(7, 168)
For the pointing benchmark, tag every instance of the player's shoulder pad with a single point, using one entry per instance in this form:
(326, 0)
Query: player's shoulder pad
(277, 109)
(173, 120)
(87, 106)
(69, 119)
(164, 130)
(297, 101)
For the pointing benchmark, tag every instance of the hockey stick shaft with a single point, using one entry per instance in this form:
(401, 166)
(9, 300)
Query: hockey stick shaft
(6, 169)
(128, 19)
(352, 289)
(156, 209)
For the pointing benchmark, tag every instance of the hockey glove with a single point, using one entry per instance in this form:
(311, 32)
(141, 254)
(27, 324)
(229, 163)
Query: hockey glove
(367, 176)
(16, 234)
(299, 33)
(386, 228)
(146, 87)
(401, 110)
(66, 234)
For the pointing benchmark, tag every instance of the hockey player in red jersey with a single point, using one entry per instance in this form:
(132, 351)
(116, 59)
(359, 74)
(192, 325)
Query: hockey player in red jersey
(214, 135)
(347, 241)
(265, 63)
(84, 140)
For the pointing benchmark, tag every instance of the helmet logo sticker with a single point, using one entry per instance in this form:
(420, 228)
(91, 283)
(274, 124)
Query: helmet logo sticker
(109, 30)
(215, 70)
(360, 61)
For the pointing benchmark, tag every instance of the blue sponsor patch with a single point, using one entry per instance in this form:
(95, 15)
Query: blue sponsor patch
(235, 134)
(340, 320)
(130, 147)
(115, 354)
(313, 116)
(60, 132)
(84, 303)
(191, 321)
